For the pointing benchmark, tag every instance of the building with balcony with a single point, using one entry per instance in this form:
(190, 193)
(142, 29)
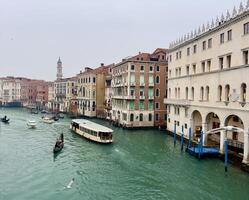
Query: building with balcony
(139, 87)
(208, 82)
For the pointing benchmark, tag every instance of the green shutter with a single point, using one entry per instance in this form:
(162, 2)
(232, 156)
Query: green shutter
(150, 92)
(150, 105)
(131, 105)
(150, 78)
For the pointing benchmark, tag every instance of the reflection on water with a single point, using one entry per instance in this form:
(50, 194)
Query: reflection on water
(140, 164)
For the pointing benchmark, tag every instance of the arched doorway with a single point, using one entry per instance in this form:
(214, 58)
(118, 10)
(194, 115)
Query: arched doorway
(196, 124)
(235, 140)
(213, 122)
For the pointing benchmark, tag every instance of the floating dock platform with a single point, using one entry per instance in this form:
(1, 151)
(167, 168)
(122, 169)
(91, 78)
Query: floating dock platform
(203, 151)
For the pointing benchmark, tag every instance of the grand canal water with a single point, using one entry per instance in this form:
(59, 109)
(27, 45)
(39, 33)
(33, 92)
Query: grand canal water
(141, 164)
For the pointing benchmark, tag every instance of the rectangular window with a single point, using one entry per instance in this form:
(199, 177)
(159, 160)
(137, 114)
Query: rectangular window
(188, 51)
(195, 49)
(203, 66)
(132, 105)
(180, 71)
(157, 105)
(141, 68)
(176, 72)
(141, 92)
(176, 55)
(141, 105)
(142, 79)
(204, 45)
(169, 73)
(221, 62)
(180, 54)
(150, 105)
(229, 59)
(210, 41)
(209, 65)
(229, 35)
(194, 69)
(132, 78)
(245, 57)
(150, 78)
(222, 38)
(150, 92)
(151, 68)
(132, 67)
(187, 70)
(246, 28)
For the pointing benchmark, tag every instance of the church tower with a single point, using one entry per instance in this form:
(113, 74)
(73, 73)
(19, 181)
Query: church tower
(59, 69)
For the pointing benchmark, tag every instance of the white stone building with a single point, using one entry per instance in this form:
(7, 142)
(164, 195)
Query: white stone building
(10, 91)
(208, 81)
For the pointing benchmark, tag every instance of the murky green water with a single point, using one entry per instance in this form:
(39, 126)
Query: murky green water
(141, 164)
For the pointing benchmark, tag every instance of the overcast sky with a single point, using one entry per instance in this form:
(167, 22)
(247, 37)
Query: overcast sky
(34, 33)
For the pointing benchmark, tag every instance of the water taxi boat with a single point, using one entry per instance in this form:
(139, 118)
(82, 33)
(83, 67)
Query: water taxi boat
(92, 131)
(31, 123)
(47, 120)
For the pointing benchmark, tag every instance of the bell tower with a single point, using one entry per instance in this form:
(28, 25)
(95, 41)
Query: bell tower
(59, 69)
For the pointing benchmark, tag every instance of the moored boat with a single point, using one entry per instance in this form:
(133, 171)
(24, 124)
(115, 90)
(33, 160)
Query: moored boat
(92, 131)
(31, 124)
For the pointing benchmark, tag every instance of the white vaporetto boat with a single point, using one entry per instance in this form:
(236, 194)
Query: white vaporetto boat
(31, 123)
(47, 120)
(92, 131)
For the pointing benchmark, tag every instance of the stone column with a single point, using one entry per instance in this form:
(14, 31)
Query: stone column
(246, 147)
(222, 139)
(204, 130)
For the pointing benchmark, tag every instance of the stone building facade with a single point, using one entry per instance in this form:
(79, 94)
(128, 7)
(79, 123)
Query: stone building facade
(208, 81)
(139, 87)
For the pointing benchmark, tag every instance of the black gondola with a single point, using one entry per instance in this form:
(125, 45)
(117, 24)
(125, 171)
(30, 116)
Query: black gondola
(59, 144)
(55, 118)
(5, 120)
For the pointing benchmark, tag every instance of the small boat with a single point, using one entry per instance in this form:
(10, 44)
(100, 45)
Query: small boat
(61, 116)
(47, 120)
(55, 118)
(92, 131)
(31, 123)
(59, 144)
(5, 120)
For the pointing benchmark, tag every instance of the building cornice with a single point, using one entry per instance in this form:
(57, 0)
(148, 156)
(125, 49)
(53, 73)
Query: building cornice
(211, 72)
(211, 31)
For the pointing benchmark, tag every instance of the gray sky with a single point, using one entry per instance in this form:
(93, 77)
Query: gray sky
(34, 33)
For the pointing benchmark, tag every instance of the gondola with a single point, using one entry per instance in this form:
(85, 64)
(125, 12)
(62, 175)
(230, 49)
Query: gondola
(55, 118)
(59, 144)
(5, 120)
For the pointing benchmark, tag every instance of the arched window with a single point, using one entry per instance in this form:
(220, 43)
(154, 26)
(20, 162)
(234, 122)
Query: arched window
(175, 93)
(243, 92)
(186, 93)
(207, 93)
(169, 93)
(227, 92)
(132, 117)
(157, 79)
(141, 117)
(202, 94)
(179, 93)
(157, 92)
(219, 93)
(150, 117)
(192, 93)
